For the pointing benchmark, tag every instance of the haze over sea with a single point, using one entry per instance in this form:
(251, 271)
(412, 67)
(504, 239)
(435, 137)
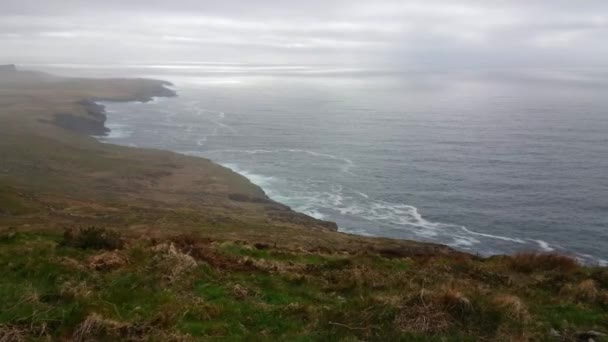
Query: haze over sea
(487, 161)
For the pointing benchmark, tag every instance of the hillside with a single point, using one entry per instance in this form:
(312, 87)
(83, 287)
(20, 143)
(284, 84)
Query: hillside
(105, 242)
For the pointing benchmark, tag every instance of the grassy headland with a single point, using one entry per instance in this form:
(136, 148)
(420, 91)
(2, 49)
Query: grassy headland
(104, 242)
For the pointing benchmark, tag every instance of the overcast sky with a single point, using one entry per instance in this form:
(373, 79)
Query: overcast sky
(346, 33)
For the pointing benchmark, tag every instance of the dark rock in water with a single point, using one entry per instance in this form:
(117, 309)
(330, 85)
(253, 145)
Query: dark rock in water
(8, 68)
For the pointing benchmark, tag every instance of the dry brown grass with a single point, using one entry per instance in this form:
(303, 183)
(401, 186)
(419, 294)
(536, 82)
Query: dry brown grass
(454, 301)
(71, 290)
(422, 315)
(30, 296)
(585, 291)
(240, 292)
(513, 307)
(173, 262)
(603, 298)
(534, 262)
(94, 326)
(71, 263)
(107, 261)
(12, 334)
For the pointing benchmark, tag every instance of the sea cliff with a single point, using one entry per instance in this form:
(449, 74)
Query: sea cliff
(106, 242)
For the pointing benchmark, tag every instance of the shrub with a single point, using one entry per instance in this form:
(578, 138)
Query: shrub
(93, 238)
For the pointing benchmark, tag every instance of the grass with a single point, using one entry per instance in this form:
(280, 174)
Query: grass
(50, 289)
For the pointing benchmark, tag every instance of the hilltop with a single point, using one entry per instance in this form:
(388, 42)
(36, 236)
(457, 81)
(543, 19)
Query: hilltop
(105, 242)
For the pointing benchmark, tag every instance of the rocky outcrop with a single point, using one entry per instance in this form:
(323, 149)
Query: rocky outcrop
(93, 123)
(80, 124)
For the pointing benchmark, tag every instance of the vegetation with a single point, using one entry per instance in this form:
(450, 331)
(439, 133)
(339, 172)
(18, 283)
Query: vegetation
(191, 287)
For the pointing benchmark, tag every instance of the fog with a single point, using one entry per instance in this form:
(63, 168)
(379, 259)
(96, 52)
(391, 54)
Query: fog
(356, 33)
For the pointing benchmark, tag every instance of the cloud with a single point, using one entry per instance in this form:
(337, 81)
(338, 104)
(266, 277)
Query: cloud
(362, 33)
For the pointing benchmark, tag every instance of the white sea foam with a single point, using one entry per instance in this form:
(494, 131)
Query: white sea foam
(490, 236)
(118, 131)
(544, 246)
(157, 99)
(463, 242)
(201, 141)
(259, 180)
(362, 195)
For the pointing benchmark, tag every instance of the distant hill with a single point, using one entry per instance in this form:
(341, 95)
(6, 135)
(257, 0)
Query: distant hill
(8, 68)
(10, 73)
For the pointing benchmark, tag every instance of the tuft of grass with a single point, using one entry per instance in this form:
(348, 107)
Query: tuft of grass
(454, 302)
(585, 291)
(422, 315)
(513, 307)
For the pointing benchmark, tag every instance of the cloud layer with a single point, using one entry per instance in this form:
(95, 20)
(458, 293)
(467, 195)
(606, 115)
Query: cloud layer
(428, 33)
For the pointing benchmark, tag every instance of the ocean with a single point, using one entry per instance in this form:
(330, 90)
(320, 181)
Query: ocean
(486, 161)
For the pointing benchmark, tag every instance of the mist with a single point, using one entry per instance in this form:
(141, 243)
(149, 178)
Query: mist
(388, 34)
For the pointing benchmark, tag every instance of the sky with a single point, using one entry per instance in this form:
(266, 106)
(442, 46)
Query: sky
(355, 33)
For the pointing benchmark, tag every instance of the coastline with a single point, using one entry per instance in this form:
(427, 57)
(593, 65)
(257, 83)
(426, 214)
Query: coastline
(98, 129)
(175, 184)
(542, 247)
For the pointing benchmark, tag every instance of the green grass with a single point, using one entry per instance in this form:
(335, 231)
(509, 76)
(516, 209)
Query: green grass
(251, 251)
(48, 288)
